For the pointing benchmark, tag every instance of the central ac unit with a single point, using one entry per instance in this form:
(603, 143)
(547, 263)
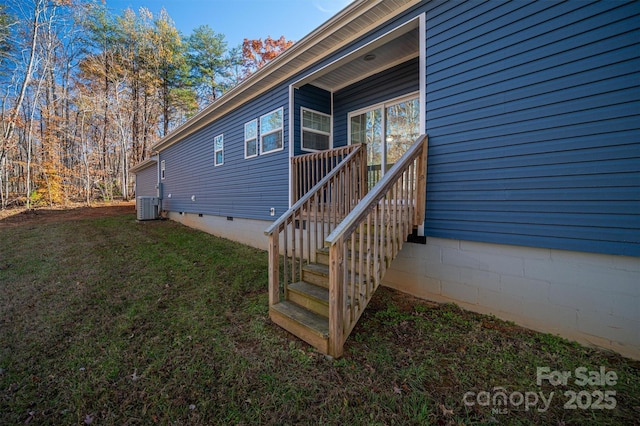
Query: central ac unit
(147, 208)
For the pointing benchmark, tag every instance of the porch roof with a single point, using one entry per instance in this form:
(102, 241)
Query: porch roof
(394, 48)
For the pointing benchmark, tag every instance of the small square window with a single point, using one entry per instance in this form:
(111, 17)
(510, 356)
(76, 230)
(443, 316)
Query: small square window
(218, 150)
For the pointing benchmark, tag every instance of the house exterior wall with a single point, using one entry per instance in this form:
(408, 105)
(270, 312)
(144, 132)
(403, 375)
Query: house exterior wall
(530, 110)
(244, 231)
(532, 116)
(587, 297)
(245, 188)
(146, 181)
(533, 193)
(533, 196)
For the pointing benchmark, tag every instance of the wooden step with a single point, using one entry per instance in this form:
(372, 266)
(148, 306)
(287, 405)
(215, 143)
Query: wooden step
(317, 274)
(302, 323)
(322, 256)
(310, 296)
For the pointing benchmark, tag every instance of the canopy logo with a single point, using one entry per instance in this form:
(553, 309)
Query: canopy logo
(500, 401)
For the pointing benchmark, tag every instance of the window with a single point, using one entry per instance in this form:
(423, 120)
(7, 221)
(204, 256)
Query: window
(162, 169)
(316, 130)
(251, 139)
(271, 132)
(218, 150)
(388, 129)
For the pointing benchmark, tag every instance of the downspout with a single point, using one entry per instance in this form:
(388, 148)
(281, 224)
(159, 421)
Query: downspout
(159, 189)
(291, 141)
(331, 145)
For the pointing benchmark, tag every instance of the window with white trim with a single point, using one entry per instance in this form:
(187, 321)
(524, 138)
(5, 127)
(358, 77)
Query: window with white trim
(316, 130)
(251, 139)
(218, 150)
(271, 138)
(162, 169)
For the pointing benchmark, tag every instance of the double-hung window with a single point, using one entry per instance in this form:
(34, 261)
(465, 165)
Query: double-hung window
(218, 150)
(251, 139)
(271, 138)
(162, 169)
(316, 130)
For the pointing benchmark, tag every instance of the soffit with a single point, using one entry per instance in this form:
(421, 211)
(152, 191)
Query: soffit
(393, 49)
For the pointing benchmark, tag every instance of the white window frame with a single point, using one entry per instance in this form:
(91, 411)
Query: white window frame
(381, 105)
(263, 135)
(162, 169)
(302, 129)
(254, 121)
(216, 150)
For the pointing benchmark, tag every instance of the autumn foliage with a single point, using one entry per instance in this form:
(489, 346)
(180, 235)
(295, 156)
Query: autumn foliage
(86, 93)
(257, 53)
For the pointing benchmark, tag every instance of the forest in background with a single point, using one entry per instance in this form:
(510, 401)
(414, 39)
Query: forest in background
(84, 93)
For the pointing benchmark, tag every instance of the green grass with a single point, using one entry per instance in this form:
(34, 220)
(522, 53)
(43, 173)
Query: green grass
(109, 321)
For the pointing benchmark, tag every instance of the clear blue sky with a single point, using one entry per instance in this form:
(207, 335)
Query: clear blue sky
(239, 19)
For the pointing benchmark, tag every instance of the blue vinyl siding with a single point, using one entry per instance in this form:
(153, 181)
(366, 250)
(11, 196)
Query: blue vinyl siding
(245, 188)
(146, 181)
(313, 98)
(533, 112)
(392, 83)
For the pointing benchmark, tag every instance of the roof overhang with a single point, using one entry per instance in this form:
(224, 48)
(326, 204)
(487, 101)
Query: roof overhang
(393, 48)
(144, 164)
(348, 25)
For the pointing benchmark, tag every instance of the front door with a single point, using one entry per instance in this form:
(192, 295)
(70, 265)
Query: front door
(388, 129)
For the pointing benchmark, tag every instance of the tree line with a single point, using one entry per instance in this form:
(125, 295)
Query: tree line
(85, 93)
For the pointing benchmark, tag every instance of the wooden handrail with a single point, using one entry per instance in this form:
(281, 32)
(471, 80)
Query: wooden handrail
(379, 191)
(374, 230)
(283, 218)
(322, 207)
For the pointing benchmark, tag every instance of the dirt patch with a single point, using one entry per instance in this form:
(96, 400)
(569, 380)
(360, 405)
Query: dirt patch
(22, 217)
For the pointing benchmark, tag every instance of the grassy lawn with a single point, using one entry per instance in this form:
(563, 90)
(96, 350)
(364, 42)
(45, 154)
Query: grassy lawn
(109, 321)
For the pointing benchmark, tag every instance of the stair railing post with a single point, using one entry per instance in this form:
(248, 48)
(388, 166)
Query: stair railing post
(294, 182)
(274, 268)
(364, 184)
(336, 298)
(421, 185)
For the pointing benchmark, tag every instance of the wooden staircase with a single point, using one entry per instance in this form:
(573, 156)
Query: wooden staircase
(304, 311)
(329, 252)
